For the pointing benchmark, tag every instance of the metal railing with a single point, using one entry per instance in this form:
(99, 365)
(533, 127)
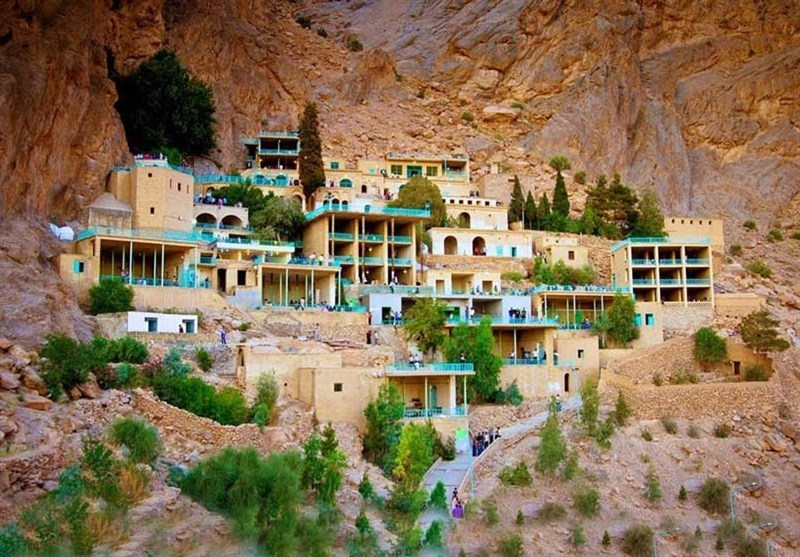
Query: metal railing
(313, 262)
(279, 151)
(502, 320)
(411, 413)
(431, 367)
(523, 361)
(643, 261)
(208, 260)
(254, 242)
(395, 289)
(220, 226)
(698, 282)
(134, 233)
(150, 281)
(346, 259)
(342, 236)
(390, 211)
(695, 261)
(218, 178)
(371, 260)
(661, 240)
(400, 239)
(669, 261)
(581, 288)
(402, 261)
(643, 282)
(671, 282)
(371, 238)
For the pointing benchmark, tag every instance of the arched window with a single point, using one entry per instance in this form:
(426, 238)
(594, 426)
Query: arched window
(345, 183)
(231, 221)
(478, 246)
(450, 245)
(464, 220)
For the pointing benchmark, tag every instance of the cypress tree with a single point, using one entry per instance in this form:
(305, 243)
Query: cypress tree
(312, 169)
(531, 216)
(543, 212)
(517, 205)
(560, 195)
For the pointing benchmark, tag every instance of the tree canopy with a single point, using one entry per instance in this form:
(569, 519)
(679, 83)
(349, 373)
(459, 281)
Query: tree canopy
(110, 295)
(621, 319)
(559, 163)
(312, 168)
(531, 216)
(246, 193)
(383, 415)
(476, 344)
(517, 205)
(418, 193)
(163, 106)
(424, 324)
(279, 217)
(709, 347)
(560, 195)
(759, 332)
(650, 221)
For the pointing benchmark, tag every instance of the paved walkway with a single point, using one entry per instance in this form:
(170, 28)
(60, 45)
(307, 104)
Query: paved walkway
(452, 473)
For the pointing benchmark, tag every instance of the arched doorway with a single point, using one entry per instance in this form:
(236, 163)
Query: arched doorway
(363, 188)
(478, 246)
(450, 245)
(345, 205)
(346, 183)
(281, 180)
(299, 200)
(464, 220)
(231, 221)
(206, 220)
(566, 382)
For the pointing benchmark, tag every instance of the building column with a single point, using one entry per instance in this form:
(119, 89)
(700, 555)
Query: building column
(113, 264)
(130, 261)
(426, 397)
(286, 301)
(515, 346)
(155, 265)
(452, 385)
(162, 264)
(465, 395)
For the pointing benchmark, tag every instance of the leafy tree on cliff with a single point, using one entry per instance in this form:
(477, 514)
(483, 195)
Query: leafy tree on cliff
(383, 416)
(246, 193)
(560, 196)
(163, 106)
(517, 204)
(312, 169)
(650, 222)
(279, 217)
(531, 215)
(110, 295)
(622, 212)
(621, 319)
(476, 344)
(418, 193)
(424, 324)
(709, 347)
(543, 215)
(759, 332)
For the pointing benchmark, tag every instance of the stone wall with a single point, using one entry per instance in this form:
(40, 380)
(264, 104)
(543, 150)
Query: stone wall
(204, 431)
(477, 264)
(348, 326)
(686, 319)
(704, 400)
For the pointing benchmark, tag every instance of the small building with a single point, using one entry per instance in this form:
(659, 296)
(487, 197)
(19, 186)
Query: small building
(153, 322)
(471, 242)
(737, 304)
(562, 248)
(713, 229)
(478, 213)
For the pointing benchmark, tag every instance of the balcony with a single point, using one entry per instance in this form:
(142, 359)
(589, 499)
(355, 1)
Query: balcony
(344, 259)
(253, 244)
(395, 289)
(183, 282)
(669, 262)
(670, 282)
(371, 260)
(342, 236)
(429, 368)
(697, 262)
(503, 320)
(372, 238)
(136, 233)
(278, 152)
(368, 209)
(400, 262)
(206, 226)
(524, 361)
(208, 260)
(698, 282)
(317, 262)
(643, 282)
(643, 262)
(400, 240)
(411, 413)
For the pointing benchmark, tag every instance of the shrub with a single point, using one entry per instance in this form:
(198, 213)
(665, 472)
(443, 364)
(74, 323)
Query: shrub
(587, 501)
(682, 495)
(646, 435)
(638, 541)
(67, 363)
(204, 359)
(244, 326)
(670, 425)
(709, 347)
(571, 469)
(139, 437)
(577, 538)
(490, 514)
(421, 93)
(518, 105)
(520, 520)
(365, 488)
(128, 350)
(580, 177)
(198, 397)
(605, 430)
(759, 268)
(438, 498)
(353, 44)
(267, 391)
(714, 495)
(736, 249)
(652, 487)
(622, 410)
(722, 431)
(749, 224)
(230, 407)
(174, 365)
(303, 21)
(512, 394)
(511, 545)
(756, 372)
(774, 235)
(606, 538)
(512, 276)
(516, 475)
(110, 295)
(684, 377)
(693, 431)
(795, 235)
(748, 546)
(322, 32)
(658, 380)
(467, 116)
(760, 332)
(433, 537)
(12, 542)
(552, 448)
(551, 512)
(449, 449)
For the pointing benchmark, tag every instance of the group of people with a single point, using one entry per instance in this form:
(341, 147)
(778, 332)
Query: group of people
(479, 291)
(483, 440)
(526, 355)
(456, 505)
(209, 199)
(312, 259)
(517, 315)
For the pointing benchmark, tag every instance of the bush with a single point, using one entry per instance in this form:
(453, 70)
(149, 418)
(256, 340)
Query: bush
(438, 498)
(577, 538)
(552, 448)
(646, 435)
(682, 495)
(747, 546)
(571, 469)
(795, 235)
(204, 359)
(67, 363)
(587, 501)
(365, 488)
(693, 431)
(517, 475)
(448, 451)
(580, 177)
(722, 431)
(714, 495)
(512, 394)
(433, 537)
(622, 410)
(511, 545)
(520, 520)
(467, 116)
(128, 350)
(303, 21)
(174, 365)
(421, 93)
(652, 487)
(684, 377)
(551, 512)
(736, 249)
(756, 372)
(490, 514)
(139, 437)
(12, 542)
(638, 541)
(759, 268)
(267, 391)
(709, 347)
(658, 380)
(110, 295)
(512, 276)
(244, 326)
(322, 32)
(353, 44)
(606, 538)
(670, 425)
(774, 235)
(230, 407)
(749, 224)
(198, 397)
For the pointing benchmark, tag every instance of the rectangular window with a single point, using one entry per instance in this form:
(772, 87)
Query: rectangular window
(152, 210)
(78, 266)
(149, 174)
(152, 324)
(337, 387)
(431, 171)
(498, 250)
(412, 170)
(638, 320)
(334, 165)
(571, 255)
(188, 325)
(513, 251)
(649, 319)
(179, 186)
(580, 353)
(396, 169)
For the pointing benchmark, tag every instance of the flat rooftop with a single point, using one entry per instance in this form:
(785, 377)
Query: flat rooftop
(663, 241)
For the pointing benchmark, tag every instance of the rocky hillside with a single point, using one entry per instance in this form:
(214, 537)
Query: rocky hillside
(699, 100)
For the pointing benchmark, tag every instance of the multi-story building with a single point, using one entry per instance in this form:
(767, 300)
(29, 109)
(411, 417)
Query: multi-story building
(274, 150)
(665, 269)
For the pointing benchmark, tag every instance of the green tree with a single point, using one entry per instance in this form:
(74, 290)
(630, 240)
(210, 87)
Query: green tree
(438, 499)
(162, 105)
(517, 204)
(759, 332)
(597, 196)
(383, 416)
(415, 454)
(622, 212)
(419, 193)
(543, 216)
(652, 488)
(709, 347)
(246, 193)
(312, 169)
(267, 391)
(424, 324)
(622, 410)
(323, 465)
(560, 194)
(531, 213)
(110, 295)
(552, 448)
(281, 216)
(476, 345)
(66, 363)
(590, 405)
(650, 221)
(621, 317)
(590, 223)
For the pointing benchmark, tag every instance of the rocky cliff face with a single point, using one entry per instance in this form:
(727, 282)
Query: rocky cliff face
(699, 100)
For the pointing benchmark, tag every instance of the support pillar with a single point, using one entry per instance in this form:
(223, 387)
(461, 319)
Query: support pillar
(452, 385)
(130, 260)
(465, 395)
(426, 397)
(162, 264)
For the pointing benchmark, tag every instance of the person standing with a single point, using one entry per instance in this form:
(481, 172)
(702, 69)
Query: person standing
(223, 337)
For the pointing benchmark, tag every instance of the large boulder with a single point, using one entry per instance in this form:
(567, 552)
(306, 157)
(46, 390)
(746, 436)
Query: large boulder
(8, 381)
(35, 401)
(500, 113)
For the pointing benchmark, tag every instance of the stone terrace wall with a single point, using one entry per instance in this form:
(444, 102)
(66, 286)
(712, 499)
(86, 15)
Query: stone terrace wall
(674, 355)
(207, 432)
(682, 319)
(478, 264)
(333, 325)
(704, 400)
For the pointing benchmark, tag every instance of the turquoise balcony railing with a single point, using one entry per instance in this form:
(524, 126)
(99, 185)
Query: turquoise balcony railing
(151, 281)
(371, 260)
(400, 239)
(697, 261)
(346, 236)
(395, 289)
(666, 262)
(581, 288)
(643, 282)
(351, 309)
(218, 178)
(344, 259)
(254, 242)
(137, 233)
(411, 413)
(523, 361)
(313, 262)
(431, 367)
(671, 282)
(208, 260)
(372, 238)
(401, 261)
(503, 320)
(279, 152)
(698, 282)
(662, 240)
(391, 211)
(643, 261)
(220, 226)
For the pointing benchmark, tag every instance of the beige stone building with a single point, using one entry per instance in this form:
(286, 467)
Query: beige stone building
(470, 241)
(561, 248)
